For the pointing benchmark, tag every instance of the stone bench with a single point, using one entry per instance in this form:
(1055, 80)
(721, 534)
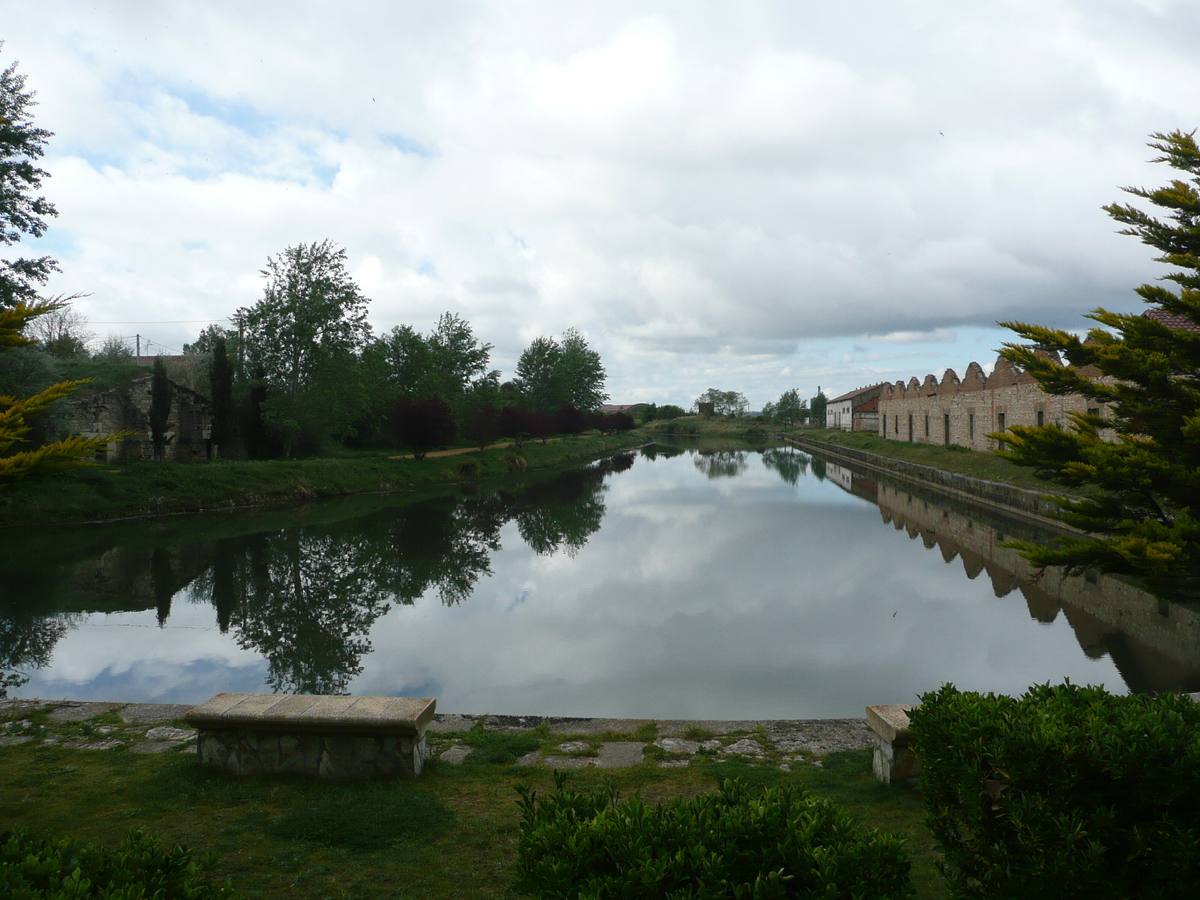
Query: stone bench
(894, 759)
(320, 736)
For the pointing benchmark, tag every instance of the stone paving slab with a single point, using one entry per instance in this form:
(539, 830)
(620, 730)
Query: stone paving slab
(620, 754)
(12, 740)
(456, 755)
(80, 712)
(152, 713)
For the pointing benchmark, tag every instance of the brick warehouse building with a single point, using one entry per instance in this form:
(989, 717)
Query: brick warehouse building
(964, 411)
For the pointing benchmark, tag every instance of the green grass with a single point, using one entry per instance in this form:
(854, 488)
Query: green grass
(975, 463)
(106, 492)
(450, 833)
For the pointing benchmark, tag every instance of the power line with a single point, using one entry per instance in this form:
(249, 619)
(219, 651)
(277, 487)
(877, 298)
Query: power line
(166, 322)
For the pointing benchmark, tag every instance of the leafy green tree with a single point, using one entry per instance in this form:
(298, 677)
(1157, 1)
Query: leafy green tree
(1142, 486)
(160, 406)
(725, 403)
(114, 350)
(816, 407)
(538, 374)
(312, 317)
(22, 211)
(581, 374)
(790, 409)
(220, 376)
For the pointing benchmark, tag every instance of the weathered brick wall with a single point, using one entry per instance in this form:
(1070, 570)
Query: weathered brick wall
(963, 412)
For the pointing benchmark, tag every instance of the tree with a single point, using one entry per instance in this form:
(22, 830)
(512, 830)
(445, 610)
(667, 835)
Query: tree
(63, 332)
(817, 406)
(15, 412)
(114, 349)
(538, 374)
(311, 313)
(1141, 506)
(22, 211)
(580, 374)
(220, 377)
(725, 403)
(482, 425)
(421, 423)
(160, 406)
(790, 408)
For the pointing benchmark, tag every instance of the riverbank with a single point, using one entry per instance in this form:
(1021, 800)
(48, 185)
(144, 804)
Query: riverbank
(103, 493)
(89, 771)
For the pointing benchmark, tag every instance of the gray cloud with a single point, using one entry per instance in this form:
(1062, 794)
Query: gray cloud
(704, 194)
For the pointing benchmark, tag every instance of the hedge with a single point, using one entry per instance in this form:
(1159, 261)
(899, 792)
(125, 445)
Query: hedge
(737, 842)
(1064, 792)
(138, 869)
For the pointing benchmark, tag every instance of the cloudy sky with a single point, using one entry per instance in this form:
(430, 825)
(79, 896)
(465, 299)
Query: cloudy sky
(745, 195)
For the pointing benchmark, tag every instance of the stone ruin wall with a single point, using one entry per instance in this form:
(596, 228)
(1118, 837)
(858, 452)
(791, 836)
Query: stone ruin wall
(927, 406)
(127, 408)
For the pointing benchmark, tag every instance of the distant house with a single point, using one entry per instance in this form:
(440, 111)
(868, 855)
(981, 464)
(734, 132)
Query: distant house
(632, 408)
(856, 410)
(127, 408)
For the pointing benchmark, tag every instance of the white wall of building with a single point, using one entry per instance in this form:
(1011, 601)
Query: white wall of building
(839, 415)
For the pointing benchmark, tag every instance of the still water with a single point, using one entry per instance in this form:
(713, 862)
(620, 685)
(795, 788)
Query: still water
(672, 583)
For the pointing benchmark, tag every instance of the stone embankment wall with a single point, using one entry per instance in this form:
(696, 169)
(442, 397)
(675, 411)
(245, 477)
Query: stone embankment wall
(964, 411)
(976, 490)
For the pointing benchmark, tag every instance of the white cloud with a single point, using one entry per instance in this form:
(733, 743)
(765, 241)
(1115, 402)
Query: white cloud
(710, 197)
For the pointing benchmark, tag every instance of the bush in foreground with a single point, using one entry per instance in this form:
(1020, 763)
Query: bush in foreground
(738, 842)
(1064, 792)
(35, 867)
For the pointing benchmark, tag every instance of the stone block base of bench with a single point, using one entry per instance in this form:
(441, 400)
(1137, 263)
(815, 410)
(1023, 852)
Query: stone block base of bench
(893, 759)
(332, 756)
(317, 736)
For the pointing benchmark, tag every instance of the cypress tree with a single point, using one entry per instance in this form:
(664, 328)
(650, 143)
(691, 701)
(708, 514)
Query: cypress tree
(221, 378)
(1138, 463)
(160, 406)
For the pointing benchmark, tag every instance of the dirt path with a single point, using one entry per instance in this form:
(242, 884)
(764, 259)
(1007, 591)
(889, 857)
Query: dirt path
(459, 451)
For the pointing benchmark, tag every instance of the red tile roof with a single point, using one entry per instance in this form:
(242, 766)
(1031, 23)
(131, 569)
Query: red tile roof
(861, 390)
(1172, 320)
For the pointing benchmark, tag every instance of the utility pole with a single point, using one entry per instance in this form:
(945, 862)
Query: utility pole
(138, 338)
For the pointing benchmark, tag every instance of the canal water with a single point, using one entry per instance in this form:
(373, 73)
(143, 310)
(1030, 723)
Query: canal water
(671, 583)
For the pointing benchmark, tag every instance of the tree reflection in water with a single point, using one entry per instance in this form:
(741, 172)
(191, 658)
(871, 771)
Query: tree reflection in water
(306, 598)
(790, 464)
(26, 642)
(721, 463)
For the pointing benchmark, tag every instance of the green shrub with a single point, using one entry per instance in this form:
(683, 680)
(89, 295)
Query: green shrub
(738, 842)
(1064, 792)
(36, 867)
(498, 747)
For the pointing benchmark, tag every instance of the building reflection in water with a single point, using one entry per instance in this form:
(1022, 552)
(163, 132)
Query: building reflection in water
(1154, 643)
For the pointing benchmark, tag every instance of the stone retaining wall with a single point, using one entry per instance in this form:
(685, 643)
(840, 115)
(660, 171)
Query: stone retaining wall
(1006, 497)
(330, 756)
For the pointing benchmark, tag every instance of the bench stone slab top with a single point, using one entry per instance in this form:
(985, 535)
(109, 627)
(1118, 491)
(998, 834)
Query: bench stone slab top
(314, 712)
(890, 721)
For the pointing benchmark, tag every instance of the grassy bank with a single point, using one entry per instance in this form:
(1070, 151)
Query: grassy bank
(105, 492)
(451, 833)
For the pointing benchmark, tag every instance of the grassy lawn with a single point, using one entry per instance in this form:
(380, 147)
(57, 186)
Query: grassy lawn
(151, 488)
(450, 833)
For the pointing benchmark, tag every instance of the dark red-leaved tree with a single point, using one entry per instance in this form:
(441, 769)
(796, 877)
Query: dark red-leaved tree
(420, 423)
